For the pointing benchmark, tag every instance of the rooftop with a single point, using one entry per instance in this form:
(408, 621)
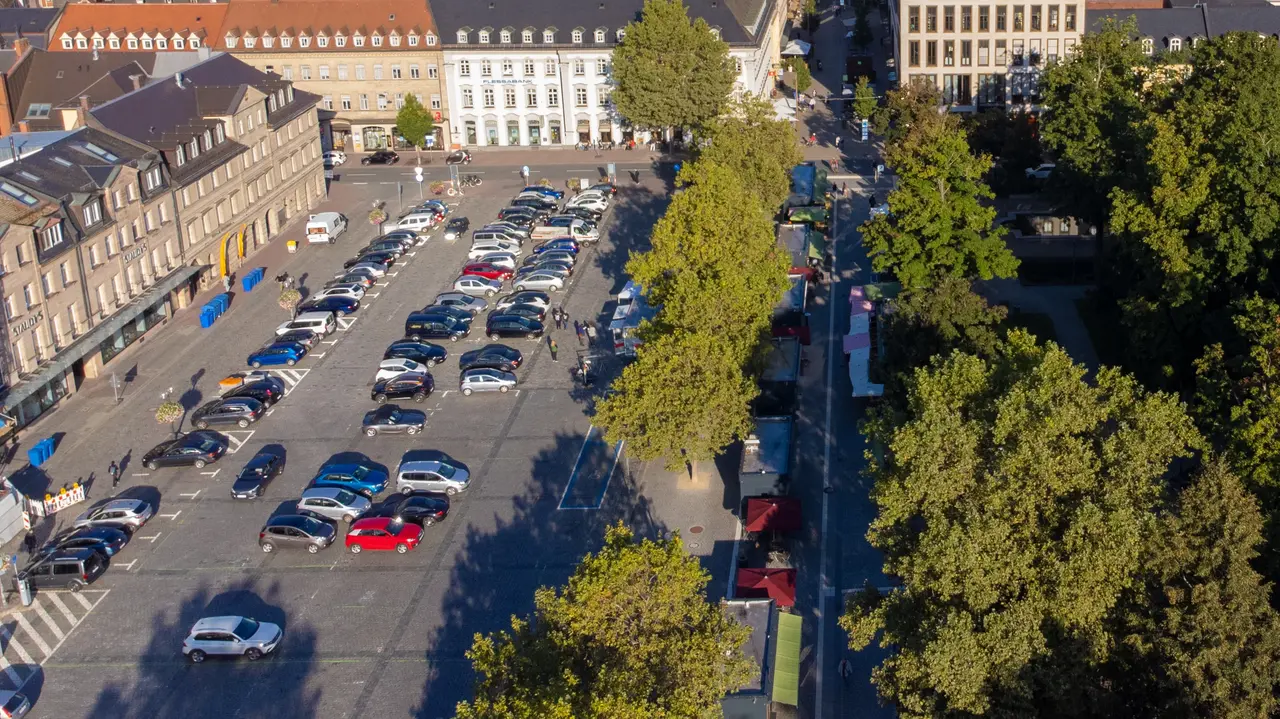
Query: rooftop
(29, 22)
(758, 615)
(259, 18)
(1210, 19)
(185, 19)
(42, 82)
(767, 450)
(783, 362)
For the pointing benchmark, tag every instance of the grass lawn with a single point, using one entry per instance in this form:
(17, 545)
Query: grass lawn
(1036, 323)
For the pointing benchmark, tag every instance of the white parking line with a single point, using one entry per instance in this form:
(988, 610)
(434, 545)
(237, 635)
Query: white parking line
(26, 627)
(214, 473)
(47, 619)
(66, 612)
(141, 474)
(171, 517)
(11, 643)
(317, 355)
(127, 566)
(237, 438)
(83, 602)
(191, 495)
(152, 538)
(9, 671)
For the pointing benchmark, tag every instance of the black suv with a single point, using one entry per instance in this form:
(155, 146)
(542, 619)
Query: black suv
(413, 385)
(422, 326)
(240, 411)
(295, 531)
(421, 352)
(69, 569)
(381, 157)
(499, 357)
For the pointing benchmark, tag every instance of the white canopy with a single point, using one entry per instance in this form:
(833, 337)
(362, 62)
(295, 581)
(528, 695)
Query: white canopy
(785, 109)
(797, 47)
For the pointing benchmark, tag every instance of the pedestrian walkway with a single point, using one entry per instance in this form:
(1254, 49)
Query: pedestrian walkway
(30, 635)
(1058, 302)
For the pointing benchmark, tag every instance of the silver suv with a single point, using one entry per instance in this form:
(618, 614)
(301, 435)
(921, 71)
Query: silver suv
(333, 503)
(235, 636)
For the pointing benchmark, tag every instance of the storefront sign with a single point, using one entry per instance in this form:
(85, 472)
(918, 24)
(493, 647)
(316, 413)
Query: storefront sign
(28, 323)
(505, 81)
(135, 252)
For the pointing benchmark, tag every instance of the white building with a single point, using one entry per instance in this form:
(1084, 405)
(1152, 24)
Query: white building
(539, 74)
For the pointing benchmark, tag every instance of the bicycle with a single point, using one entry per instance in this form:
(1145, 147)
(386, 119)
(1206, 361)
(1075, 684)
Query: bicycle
(470, 181)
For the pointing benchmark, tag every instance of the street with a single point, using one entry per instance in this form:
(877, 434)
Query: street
(377, 634)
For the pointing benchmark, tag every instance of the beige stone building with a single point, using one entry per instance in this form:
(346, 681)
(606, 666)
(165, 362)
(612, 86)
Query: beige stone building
(362, 59)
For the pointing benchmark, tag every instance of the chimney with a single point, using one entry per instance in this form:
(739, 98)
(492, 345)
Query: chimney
(137, 81)
(23, 126)
(21, 46)
(82, 113)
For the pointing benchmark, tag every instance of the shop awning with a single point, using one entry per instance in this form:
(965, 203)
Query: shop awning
(776, 584)
(89, 342)
(798, 48)
(786, 660)
(781, 514)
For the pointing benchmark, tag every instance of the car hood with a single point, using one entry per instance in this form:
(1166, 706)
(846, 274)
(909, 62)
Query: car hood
(267, 633)
(246, 484)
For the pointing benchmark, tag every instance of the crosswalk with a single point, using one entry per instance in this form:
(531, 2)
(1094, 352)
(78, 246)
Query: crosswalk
(30, 635)
(291, 378)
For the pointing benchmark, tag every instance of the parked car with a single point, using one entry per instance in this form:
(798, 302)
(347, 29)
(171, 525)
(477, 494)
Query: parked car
(1042, 171)
(334, 157)
(486, 380)
(424, 325)
(381, 534)
(451, 311)
(376, 257)
(416, 386)
(533, 312)
(492, 272)
(542, 204)
(584, 213)
(256, 475)
(504, 260)
(359, 477)
(103, 538)
(240, 411)
(197, 449)
(511, 227)
(421, 508)
(558, 269)
(267, 391)
(560, 244)
(466, 303)
(544, 281)
(499, 357)
(489, 247)
(70, 569)
(504, 325)
(551, 192)
(390, 419)
(362, 279)
(377, 269)
(522, 215)
(393, 249)
(125, 512)
(562, 256)
(456, 227)
(528, 297)
(594, 203)
(320, 322)
(279, 353)
(231, 636)
(14, 705)
(458, 157)
(439, 206)
(477, 286)
(333, 503)
(295, 531)
(306, 338)
(421, 352)
(431, 476)
(395, 367)
(607, 188)
(381, 157)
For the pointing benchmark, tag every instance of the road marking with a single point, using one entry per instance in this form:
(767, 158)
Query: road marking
(85, 602)
(152, 538)
(11, 643)
(373, 294)
(23, 667)
(142, 474)
(171, 517)
(291, 377)
(412, 254)
(26, 627)
(345, 323)
(192, 495)
(234, 439)
(359, 183)
(47, 620)
(214, 473)
(316, 355)
(577, 474)
(14, 676)
(66, 612)
(127, 566)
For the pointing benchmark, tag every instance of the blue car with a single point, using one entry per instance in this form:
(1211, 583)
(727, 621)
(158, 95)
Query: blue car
(107, 540)
(564, 243)
(436, 205)
(548, 191)
(287, 353)
(360, 478)
(340, 305)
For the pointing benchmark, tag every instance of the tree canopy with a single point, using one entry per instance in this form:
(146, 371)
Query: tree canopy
(760, 149)
(631, 636)
(800, 69)
(865, 102)
(670, 71)
(413, 121)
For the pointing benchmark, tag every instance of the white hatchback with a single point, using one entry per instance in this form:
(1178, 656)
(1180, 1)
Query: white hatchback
(355, 292)
(477, 286)
(334, 157)
(395, 367)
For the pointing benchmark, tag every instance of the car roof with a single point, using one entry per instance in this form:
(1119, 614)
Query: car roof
(325, 492)
(260, 459)
(217, 624)
(372, 523)
(394, 362)
(126, 503)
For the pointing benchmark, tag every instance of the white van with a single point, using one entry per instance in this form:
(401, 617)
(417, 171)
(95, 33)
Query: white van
(322, 323)
(417, 221)
(577, 229)
(326, 226)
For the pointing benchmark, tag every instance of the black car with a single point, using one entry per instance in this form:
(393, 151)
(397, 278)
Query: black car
(390, 419)
(535, 203)
(420, 326)
(533, 312)
(500, 357)
(456, 313)
(413, 385)
(458, 157)
(394, 248)
(420, 352)
(456, 228)
(100, 538)
(381, 157)
(240, 411)
(421, 508)
(381, 257)
(352, 278)
(584, 213)
(504, 325)
(296, 531)
(256, 475)
(194, 448)
(337, 304)
(521, 215)
(267, 391)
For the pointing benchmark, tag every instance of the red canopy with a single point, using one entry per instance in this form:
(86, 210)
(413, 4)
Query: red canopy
(776, 584)
(777, 513)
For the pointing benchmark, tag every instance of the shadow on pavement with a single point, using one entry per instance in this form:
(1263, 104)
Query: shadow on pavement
(504, 558)
(164, 683)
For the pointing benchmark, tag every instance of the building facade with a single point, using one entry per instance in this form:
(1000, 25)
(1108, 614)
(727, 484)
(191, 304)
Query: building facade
(985, 54)
(361, 57)
(532, 74)
(109, 27)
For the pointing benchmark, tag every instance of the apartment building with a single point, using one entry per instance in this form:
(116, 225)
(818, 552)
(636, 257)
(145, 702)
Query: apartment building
(362, 57)
(520, 73)
(986, 54)
(1183, 24)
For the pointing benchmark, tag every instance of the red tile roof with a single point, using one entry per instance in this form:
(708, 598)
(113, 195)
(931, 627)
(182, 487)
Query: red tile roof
(205, 20)
(329, 17)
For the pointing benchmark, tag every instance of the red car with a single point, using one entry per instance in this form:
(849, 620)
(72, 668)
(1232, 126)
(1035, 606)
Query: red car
(488, 271)
(382, 534)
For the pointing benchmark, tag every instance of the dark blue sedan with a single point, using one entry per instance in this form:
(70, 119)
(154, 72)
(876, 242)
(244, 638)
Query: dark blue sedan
(563, 244)
(548, 191)
(340, 305)
(286, 353)
(107, 540)
(422, 352)
(356, 477)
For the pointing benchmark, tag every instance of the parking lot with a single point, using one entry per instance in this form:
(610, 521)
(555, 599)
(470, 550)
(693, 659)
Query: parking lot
(375, 634)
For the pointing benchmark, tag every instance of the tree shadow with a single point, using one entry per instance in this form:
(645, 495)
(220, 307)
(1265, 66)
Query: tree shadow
(166, 684)
(634, 214)
(513, 546)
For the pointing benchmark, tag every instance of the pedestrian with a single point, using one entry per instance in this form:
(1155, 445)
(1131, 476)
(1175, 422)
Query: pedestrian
(114, 470)
(555, 348)
(844, 189)
(837, 142)
(555, 316)
(226, 283)
(581, 332)
(845, 669)
(564, 319)
(30, 543)
(591, 333)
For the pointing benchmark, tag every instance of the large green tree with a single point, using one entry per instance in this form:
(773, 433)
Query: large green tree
(759, 148)
(940, 219)
(631, 636)
(670, 71)
(715, 265)
(683, 400)
(907, 108)
(1012, 498)
(865, 102)
(413, 121)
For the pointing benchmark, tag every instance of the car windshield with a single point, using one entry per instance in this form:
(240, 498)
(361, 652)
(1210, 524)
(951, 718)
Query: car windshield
(345, 498)
(309, 525)
(246, 628)
(393, 416)
(207, 445)
(447, 471)
(360, 472)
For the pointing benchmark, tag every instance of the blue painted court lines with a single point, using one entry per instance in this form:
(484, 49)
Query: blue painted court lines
(591, 473)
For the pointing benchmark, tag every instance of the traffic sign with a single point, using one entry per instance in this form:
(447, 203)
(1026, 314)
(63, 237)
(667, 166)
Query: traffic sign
(417, 174)
(864, 129)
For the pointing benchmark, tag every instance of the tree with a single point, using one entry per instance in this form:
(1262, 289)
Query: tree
(939, 223)
(289, 299)
(760, 149)
(715, 265)
(800, 68)
(1012, 500)
(413, 121)
(1012, 139)
(168, 412)
(684, 399)
(865, 103)
(631, 635)
(862, 36)
(670, 72)
(909, 107)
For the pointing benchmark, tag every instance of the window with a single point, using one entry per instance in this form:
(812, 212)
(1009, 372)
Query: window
(913, 18)
(577, 37)
(285, 41)
(553, 97)
(19, 254)
(359, 72)
(435, 102)
(966, 19)
(1053, 18)
(486, 68)
(92, 212)
(346, 102)
(118, 199)
(948, 19)
(52, 235)
(377, 72)
(287, 72)
(509, 97)
(602, 67)
(1035, 18)
(364, 101)
(83, 44)
(487, 93)
(1070, 24)
(1019, 18)
(11, 310)
(1175, 44)
(375, 40)
(67, 43)
(966, 52)
(931, 53)
(39, 109)
(931, 19)
(984, 52)
(580, 97)
(132, 43)
(949, 53)
(1002, 57)
(304, 41)
(382, 101)
(467, 101)
(548, 36)
(322, 41)
(462, 36)
(1001, 18)
(508, 68)
(93, 256)
(913, 53)
(464, 68)
(267, 40)
(46, 283)
(505, 36)
(433, 72)
(531, 97)
(484, 37)
(152, 179)
(194, 43)
(414, 72)
(114, 43)
(579, 68)
(327, 101)
(526, 36)
(342, 72)
(18, 194)
(249, 41)
(395, 72)
(357, 40)
(984, 19)
(550, 70)
(28, 296)
(1148, 46)
(64, 273)
(528, 68)
(431, 40)
(394, 39)
(324, 72)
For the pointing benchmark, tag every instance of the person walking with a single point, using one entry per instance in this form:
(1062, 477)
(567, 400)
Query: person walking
(581, 332)
(837, 142)
(30, 543)
(564, 319)
(114, 470)
(591, 333)
(555, 348)
(845, 669)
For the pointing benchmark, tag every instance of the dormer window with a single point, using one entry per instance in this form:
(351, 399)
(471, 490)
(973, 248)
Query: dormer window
(505, 36)
(231, 41)
(413, 39)
(1195, 42)
(1175, 44)
(288, 93)
(375, 40)
(132, 43)
(549, 36)
(82, 43)
(357, 40)
(715, 32)
(146, 43)
(285, 41)
(181, 154)
(484, 37)
(304, 41)
(249, 41)
(622, 32)
(526, 36)
(163, 44)
(113, 42)
(180, 44)
(462, 37)
(577, 37)
(195, 148)
(98, 44)
(394, 38)
(600, 35)
(194, 43)
(340, 40)
(219, 134)
(1148, 46)
(267, 41)
(322, 41)
(67, 42)
(208, 140)
(431, 39)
